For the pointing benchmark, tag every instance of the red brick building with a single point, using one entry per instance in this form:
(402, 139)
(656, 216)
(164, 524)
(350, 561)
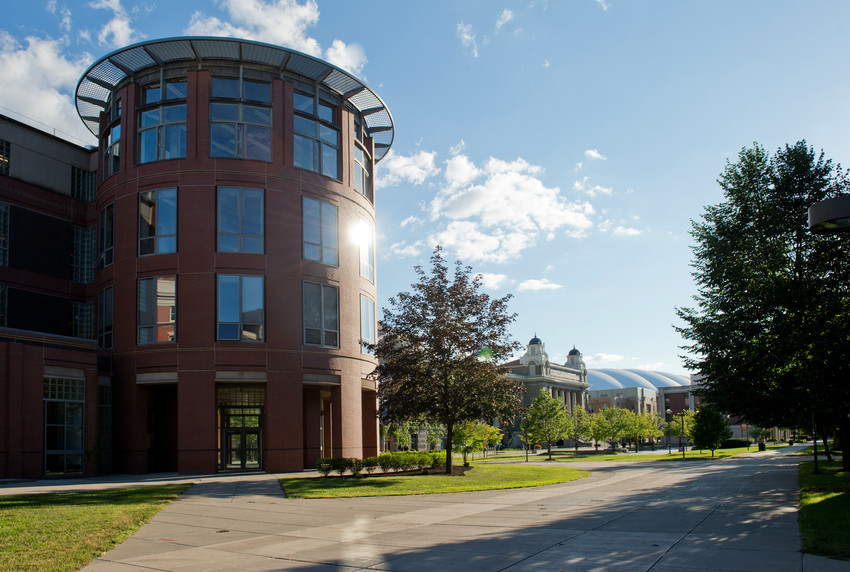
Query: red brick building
(191, 296)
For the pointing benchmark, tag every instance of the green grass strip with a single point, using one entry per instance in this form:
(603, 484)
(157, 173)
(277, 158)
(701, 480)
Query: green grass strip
(65, 531)
(479, 478)
(568, 456)
(824, 516)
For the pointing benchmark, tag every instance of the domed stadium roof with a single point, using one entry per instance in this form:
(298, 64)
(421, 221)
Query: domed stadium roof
(620, 378)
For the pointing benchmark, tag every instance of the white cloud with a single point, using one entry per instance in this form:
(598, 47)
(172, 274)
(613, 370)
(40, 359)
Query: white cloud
(492, 281)
(594, 154)
(497, 210)
(118, 32)
(583, 187)
(651, 366)
(535, 285)
(603, 3)
(460, 171)
(63, 13)
(39, 82)
(627, 231)
(505, 17)
(283, 22)
(395, 169)
(457, 149)
(404, 250)
(602, 358)
(410, 220)
(545, 63)
(467, 38)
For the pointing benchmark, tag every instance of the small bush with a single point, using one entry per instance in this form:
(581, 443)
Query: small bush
(370, 464)
(423, 459)
(466, 463)
(438, 461)
(407, 461)
(324, 466)
(426, 471)
(356, 465)
(385, 461)
(734, 443)
(340, 465)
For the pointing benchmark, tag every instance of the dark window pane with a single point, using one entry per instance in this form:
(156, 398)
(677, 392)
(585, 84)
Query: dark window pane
(54, 438)
(256, 91)
(226, 88)
(228, 210)
(224, 111)
(166, 244)
(149, 118)
(228, 332)
(313, 336)
(146, 335)
(228, 243)
(305, 126)
(312, 306)
(329, 162)
(329, 135)
(174, 113)
(74, 438)
(304, 103)
(167, 213)
(331, 314)
(147, 246)
(305, 156)
(222, 140)
(252, 299)
(259, 115)
(331, 339)
(258, 143)
(312, 252)
(175, 90)
(228, 298)
(253, 244)
(174, 146)
(326, 112)
(252, 211)
(147, 146)
(152, 94)
(312, 228)
(73, 463)
(252, 332)
(54, 413)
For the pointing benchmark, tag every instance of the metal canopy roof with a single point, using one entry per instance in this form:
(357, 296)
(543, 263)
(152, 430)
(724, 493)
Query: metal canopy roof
(103, 76)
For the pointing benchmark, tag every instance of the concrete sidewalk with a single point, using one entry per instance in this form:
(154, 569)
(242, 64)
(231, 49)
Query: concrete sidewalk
(732, 514)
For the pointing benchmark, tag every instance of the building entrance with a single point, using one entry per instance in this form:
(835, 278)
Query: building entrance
(240, 415)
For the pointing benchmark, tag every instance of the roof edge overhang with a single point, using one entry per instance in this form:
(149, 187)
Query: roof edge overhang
(98, 82)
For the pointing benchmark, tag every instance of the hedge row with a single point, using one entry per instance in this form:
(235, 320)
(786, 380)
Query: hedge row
(735, 443)
(399, 461)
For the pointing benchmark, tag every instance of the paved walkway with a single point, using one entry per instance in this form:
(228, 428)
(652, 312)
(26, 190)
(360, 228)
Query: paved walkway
(732, 514)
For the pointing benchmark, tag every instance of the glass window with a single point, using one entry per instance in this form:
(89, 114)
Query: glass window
(366, 238)
(157, 221)
(106, 234)
(5, 153)
(362, 172)
(112, 149)
(104, 318)
(82, 320)
(321, 315)
(240, 130)
(316, 140)
(4, 234)
(162, 133)
(320, 232)
(367, 321)
(240, 220)
(157, 309)
(83, 184)
(64, 400)
(84, 254)
(240, 308)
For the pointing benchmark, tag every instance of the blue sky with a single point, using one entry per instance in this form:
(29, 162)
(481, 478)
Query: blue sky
(560, 148)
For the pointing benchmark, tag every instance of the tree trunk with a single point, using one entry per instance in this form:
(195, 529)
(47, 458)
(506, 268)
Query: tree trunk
(550, 449)
(844, 435)
(449, 435)
(826, 450)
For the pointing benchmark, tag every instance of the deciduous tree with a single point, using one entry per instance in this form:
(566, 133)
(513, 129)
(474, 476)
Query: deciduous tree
(711, 427)
(439, 352)
(547, 419)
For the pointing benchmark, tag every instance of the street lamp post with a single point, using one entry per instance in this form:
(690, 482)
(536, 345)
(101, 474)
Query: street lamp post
(669, 418)
(683, 434)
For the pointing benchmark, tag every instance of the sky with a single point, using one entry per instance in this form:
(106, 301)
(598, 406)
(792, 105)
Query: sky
(559, 148)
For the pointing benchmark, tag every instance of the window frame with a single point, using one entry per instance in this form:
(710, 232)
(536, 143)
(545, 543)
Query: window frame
(367, 251)
(371, 334)
(105, 317)
(67, 393)
(321, 224)
(157, 238)
(322, 315)
(316, 142)
(241, 221)
(241, 323)
(142, 323)
(106, 235)
(243, 125)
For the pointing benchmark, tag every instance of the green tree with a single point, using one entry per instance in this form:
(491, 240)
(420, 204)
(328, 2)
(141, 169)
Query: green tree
(674, 425)
(770, 330)
(639, 426)
(471, 437)
(439, 352)
(615, 422)
(598, 428)
(547, 419)
(578, 426)
(710, 428)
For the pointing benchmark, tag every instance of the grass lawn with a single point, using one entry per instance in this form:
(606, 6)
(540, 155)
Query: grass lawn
(65, 531)
(825, 509)
(569, 456)
(479, 478)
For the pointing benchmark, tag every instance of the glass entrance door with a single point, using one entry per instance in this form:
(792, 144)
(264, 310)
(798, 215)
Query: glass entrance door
(241, 438)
